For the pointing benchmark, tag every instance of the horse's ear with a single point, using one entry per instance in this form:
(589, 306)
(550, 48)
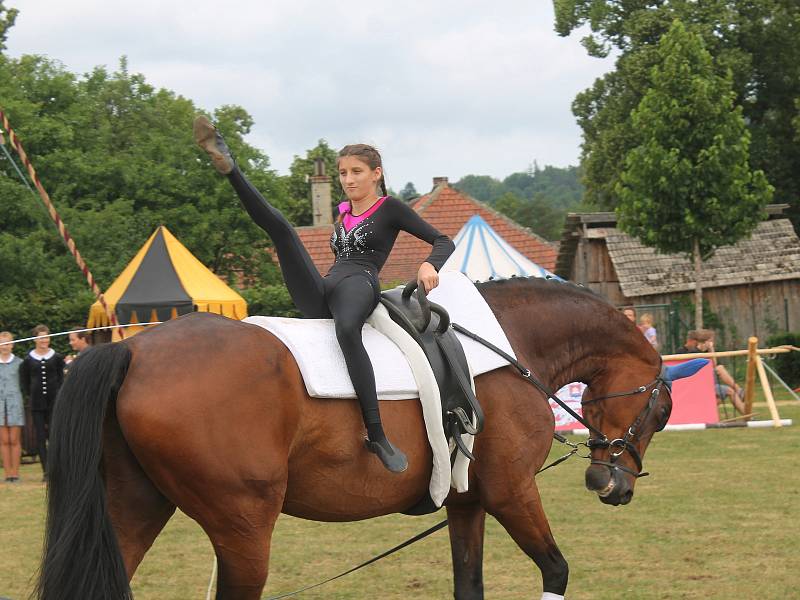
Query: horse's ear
(686, 369)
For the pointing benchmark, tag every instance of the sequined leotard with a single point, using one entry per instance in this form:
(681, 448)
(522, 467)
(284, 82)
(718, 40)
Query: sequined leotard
(350, 290)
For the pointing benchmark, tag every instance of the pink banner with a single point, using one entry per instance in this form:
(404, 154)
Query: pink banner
(693, 400)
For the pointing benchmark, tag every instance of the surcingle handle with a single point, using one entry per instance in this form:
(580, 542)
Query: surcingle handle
(424, 305)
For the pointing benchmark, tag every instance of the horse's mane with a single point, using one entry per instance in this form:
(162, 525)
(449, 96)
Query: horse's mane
(544, 284)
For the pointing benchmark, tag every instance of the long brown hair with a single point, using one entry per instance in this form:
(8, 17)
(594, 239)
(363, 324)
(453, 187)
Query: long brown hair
(367, 154)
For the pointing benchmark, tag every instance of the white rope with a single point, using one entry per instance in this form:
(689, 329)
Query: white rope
(213, 577)
(49, 335)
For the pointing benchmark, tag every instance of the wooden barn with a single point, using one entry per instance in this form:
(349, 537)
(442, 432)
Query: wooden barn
(753, 286)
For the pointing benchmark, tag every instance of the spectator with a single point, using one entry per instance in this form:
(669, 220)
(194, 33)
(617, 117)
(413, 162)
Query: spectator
(78, 341)
(42, 372)
(724, 384)
(690, 345)
(646, 327)
(630, 312)
(12, 413)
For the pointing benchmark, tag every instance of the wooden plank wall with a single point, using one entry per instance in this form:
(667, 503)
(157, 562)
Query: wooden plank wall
(758, 309)
(593, 268)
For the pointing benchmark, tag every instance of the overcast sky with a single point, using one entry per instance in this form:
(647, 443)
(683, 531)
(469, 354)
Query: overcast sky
(441, 88)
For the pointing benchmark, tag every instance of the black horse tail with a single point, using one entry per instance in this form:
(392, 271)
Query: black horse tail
(81, 557)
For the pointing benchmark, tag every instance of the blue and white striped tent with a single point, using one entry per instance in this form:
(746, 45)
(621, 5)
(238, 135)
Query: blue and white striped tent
(481, 254)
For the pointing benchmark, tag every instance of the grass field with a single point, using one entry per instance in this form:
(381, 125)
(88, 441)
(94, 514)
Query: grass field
(718, 518)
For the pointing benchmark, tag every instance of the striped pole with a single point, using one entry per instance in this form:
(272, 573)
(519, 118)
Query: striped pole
(51, 210)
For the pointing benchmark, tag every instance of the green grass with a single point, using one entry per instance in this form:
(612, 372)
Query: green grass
(718, 518)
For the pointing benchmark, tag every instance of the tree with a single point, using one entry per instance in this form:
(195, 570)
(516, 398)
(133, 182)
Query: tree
(687, 186)
(537, 214)
(7, 18)
(118, 159)
(298, 187)
(482, 187)
(409, 192)
(756, 40)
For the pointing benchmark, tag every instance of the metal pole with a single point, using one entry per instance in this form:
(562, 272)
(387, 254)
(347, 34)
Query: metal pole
(782, 382)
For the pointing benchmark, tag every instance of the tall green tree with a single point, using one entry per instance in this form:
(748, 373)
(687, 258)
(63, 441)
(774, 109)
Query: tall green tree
(7, 18)
(118, 159)
(409, 192)
(687, 186)
(756, 40)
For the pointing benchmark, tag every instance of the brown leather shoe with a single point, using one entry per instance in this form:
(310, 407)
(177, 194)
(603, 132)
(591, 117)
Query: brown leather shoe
(209, 139)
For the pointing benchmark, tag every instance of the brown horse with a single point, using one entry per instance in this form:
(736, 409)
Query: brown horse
(211, 415)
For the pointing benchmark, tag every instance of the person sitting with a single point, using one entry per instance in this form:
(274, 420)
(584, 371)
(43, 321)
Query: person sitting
(690, 345)
(725, 385)
(361, 240)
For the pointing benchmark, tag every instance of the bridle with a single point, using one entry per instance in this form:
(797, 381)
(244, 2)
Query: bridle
(598, 440)
(625, 443)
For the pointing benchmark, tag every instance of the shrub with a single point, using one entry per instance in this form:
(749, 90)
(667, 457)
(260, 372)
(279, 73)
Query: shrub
(787, 365)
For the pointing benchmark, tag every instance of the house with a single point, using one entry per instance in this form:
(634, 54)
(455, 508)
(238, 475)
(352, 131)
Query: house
(447, 209)
(753, 286)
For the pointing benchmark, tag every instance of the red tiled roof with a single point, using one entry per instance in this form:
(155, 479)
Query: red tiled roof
(447, 210)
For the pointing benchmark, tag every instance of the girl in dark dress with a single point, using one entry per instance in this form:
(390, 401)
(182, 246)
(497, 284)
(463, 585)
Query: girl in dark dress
(361, 240)
(41, 375)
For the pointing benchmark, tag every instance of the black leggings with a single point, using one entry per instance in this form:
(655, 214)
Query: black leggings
(348, 297)
(41, 421)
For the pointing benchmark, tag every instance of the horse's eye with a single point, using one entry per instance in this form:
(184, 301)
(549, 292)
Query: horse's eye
(663, 417)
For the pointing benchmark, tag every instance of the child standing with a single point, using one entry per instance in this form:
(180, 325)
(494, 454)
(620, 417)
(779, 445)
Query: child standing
(646, 327)
(12, 414)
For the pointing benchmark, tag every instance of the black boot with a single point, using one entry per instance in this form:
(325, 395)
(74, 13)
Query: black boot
(209, 139)
(391, 457)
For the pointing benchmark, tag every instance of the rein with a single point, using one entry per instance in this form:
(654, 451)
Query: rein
(600, 440)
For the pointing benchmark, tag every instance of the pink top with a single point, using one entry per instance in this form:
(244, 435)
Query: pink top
(349, 220)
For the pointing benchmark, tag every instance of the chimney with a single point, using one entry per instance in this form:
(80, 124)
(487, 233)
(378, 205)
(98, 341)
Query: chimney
(321, 204)
(437, 181)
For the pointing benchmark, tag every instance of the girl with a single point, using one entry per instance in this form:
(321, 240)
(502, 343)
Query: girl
(361, 241)
(647, 328)
(42, 373)
(12, 413)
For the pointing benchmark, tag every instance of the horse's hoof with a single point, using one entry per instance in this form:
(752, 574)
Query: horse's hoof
(210, 140)
(391, 457)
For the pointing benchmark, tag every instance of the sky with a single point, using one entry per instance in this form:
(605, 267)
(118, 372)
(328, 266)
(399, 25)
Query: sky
(445, 88)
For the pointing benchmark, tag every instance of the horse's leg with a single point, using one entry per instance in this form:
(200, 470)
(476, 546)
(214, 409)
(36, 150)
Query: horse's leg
(466, 526)
(138, 511)
(519, 510)
(241, 536)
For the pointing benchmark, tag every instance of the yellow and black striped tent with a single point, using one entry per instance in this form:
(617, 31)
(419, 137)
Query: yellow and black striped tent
(165, 280)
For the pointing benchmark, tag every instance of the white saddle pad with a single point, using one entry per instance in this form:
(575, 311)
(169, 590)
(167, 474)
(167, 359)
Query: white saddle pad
(315, 348)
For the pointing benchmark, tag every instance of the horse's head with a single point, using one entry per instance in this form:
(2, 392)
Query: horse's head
(625, 408)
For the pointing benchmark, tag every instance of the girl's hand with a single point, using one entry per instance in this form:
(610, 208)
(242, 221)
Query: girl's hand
(427, 277)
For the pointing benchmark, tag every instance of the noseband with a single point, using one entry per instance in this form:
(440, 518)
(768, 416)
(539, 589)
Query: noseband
(625, 443)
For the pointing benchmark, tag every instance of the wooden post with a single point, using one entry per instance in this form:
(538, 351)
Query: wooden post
(762, 375)
(750, 380)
